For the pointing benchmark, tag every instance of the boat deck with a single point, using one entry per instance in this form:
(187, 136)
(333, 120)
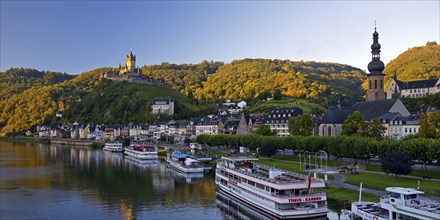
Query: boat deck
(372, 208)
(262, 172)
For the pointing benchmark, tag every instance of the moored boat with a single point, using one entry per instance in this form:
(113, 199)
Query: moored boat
(184, 163)
(141, 152)
(278, 193)
(113, 147)
(398, 203)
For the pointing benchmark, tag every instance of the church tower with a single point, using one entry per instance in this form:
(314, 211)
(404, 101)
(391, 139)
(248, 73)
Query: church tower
(375, 77)
(130, 62)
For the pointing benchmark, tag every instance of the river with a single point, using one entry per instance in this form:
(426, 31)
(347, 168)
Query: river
(62, 182)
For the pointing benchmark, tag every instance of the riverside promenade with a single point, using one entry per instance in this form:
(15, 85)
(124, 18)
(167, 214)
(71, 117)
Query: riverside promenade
(339, 180)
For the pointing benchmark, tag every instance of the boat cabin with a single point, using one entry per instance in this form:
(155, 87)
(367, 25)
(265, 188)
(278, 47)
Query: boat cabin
(403, 196)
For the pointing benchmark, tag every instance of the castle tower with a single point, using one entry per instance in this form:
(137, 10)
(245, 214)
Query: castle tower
(130, 62)
(375, 77)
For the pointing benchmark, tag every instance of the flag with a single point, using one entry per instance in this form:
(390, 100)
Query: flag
(308, 183)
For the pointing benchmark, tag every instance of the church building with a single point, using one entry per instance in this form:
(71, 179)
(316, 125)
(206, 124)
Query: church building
(376, 104)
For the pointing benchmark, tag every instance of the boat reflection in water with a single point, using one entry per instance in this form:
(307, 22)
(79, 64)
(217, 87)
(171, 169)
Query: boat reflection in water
(187, 177)
(233, 209)
(140, 163)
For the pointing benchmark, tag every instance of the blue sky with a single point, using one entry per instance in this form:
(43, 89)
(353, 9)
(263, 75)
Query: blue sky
(78, 36)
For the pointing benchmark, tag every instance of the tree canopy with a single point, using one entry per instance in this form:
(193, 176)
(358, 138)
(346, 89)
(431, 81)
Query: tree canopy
(265, 131)
(430, 125)
(301, 125)
(397, 163)
(354, 124)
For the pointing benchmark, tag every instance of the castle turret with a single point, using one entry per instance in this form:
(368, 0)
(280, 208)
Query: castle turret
(130, 62)
(375, 77)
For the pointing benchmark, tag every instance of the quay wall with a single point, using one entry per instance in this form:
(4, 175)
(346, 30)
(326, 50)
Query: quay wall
(84, 143)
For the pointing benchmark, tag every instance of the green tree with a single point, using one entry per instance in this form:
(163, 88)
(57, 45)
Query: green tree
(354, 124)
(430, 125)
(265, 130)
(277, 94)
(375, 129)
(397, 163)
(301, 125)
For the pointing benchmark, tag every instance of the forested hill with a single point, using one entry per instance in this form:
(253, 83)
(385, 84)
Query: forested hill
(416, 63)
(252, 78)
(37, 100)
(17, 80)
(184, 77)
(84, 98)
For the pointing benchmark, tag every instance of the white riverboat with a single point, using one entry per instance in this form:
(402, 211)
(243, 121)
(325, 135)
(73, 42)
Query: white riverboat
(278, 193)
(113, 147)
(141, 152)
(184, 163)
(399, 203)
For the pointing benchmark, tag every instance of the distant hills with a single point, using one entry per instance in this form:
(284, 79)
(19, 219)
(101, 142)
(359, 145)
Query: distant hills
(415, 64)
(29, 97)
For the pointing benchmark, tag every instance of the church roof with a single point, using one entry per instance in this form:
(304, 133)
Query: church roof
(428, 83)
(374, 109)
(336, 115)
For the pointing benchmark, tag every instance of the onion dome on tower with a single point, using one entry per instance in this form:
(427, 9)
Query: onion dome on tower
(376, 66)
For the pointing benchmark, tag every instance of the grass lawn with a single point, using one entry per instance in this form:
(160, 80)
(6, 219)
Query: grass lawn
(380, 182)
(419, 173)
(341, 194)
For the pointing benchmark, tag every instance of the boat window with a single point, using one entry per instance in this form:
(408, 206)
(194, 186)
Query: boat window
(395, 195)
(260, 186)
(413, 196)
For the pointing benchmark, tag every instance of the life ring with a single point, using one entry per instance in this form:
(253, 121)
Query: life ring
(413, 201)
(375, 218)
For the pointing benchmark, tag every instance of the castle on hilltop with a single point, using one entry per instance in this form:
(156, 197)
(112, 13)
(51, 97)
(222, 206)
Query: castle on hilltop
(130, 73)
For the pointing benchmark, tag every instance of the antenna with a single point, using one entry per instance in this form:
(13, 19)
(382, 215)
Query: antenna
(374, 24)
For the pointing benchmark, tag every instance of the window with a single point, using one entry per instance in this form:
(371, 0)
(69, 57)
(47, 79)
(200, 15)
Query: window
(329, 131)
(406, 130)
(381, 84)
(375, 84)
(369, 84)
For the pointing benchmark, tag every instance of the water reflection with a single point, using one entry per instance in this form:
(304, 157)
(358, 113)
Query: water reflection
(59, 182)
(234, 209)
(187, 177)
(97, 184)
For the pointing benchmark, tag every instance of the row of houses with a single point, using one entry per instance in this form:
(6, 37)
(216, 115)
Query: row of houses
(176, 130)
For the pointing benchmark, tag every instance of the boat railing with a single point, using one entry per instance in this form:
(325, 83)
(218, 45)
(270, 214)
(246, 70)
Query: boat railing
(287, 195)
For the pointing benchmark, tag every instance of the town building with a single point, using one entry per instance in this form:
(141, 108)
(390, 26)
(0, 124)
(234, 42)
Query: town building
(278, 119)
(413, 89)
(208, 125)
(398, 127)
(162, 106)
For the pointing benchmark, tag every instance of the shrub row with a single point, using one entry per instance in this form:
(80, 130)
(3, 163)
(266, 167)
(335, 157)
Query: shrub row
(421, 149)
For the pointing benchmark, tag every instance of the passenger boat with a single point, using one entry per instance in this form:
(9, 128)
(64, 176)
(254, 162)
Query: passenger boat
(113, 147)
(141, 152)
(278, 193)
(184, 163)
(398, 203)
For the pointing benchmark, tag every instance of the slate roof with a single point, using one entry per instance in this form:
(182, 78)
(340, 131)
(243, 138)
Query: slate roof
(417, 84)
(231, 123)
(389, 116)
(374, 109)
(276, 114)
(336, 115)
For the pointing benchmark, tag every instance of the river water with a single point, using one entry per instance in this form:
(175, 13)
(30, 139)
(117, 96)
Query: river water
(62, 182)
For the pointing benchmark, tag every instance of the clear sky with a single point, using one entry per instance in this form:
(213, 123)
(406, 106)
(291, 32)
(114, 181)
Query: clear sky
(77, 36)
